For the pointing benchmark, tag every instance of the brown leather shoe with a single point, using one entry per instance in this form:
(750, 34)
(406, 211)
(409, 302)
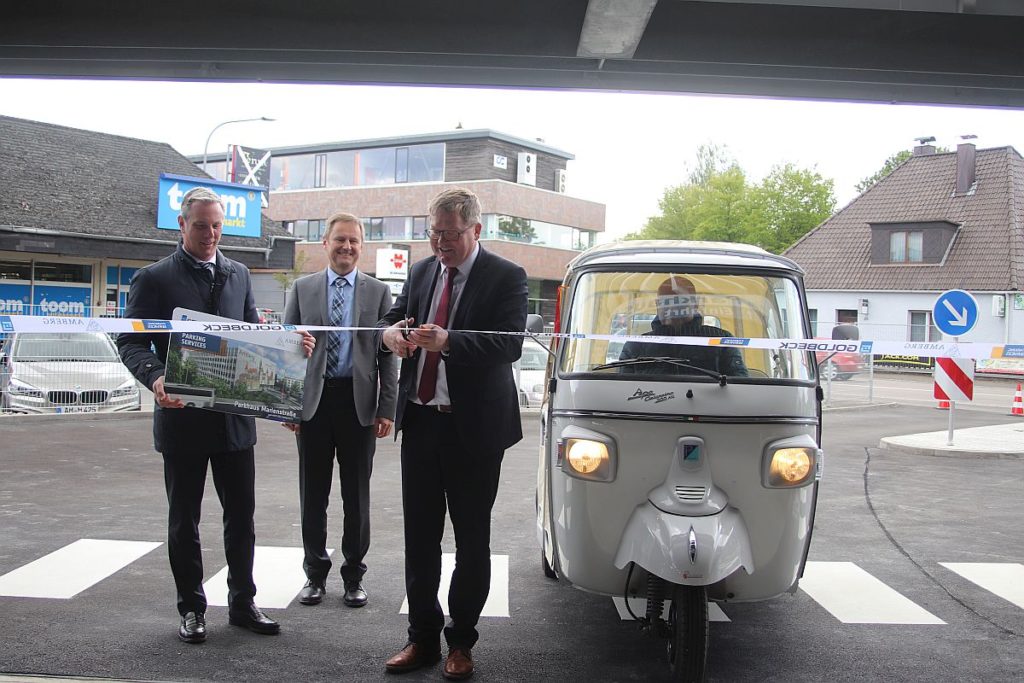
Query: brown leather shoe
(459, 665)
(413, 656)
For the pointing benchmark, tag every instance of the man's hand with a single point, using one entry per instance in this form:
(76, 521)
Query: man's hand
(291, 427)
(308, 342)
(162, 399)
(382, 426)
(395, 339)
(430, 337)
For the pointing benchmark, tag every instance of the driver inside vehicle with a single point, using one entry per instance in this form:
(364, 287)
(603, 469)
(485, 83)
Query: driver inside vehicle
(679, 316)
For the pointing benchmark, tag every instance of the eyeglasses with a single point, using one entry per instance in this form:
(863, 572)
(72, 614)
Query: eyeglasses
(446, 235)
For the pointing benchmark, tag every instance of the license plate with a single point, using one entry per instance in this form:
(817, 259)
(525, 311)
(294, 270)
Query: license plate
(76, 409)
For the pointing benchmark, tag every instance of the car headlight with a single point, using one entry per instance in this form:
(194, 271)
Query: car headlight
(790, 463)
(127, 388)
(587, 455)
(19, 388)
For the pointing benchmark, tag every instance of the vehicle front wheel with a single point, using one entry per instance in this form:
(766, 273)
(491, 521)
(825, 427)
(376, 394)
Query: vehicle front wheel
(548, 571)
(688, 634)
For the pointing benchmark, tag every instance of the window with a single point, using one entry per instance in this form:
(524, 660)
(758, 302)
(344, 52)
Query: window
(402, 165)
(341, 169)
(906, 247)
(812, 316)
(293, 173)
(846, 316)
(922, 328)
(426, 163)
(376, 166)
(15, 270)
(320, 171)
(307, 230)
(63, 272)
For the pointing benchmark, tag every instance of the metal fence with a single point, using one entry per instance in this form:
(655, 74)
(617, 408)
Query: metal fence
(64, 373)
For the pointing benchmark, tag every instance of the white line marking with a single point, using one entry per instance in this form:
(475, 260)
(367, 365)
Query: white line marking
(1005, 579)
(277, 572)
(639, 607)
(66, 572)
(854, 596)
(497, 598)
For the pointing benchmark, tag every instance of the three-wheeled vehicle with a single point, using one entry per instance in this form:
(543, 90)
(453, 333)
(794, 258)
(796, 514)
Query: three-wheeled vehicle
(671, 472)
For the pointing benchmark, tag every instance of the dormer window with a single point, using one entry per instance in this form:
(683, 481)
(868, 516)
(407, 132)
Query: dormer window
(918, 243)
(906, 246)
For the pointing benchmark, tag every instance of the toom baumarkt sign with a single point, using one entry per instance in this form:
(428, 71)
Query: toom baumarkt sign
(241, 204)
(19, 299)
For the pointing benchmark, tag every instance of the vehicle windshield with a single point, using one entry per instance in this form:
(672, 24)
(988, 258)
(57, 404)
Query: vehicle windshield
(50, 346)
(534, 357)
(684, 304)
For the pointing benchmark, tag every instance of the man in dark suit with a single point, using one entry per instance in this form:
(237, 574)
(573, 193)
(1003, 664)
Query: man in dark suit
(348, 399)
(458, 409)
(198, 277)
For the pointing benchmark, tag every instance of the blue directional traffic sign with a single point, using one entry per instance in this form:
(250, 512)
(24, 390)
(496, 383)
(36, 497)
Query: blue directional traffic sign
(955, 312)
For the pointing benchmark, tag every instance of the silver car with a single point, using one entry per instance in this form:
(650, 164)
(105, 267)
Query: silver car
(530, 368)
(64, 373)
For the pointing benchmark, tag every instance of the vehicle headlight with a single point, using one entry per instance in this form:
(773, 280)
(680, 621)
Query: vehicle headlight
(19, 388)
(127, 388)
(789, 464)
(586, 454)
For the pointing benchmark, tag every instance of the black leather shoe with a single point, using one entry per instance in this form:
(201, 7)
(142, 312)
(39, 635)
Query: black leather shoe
(355, 596)
(253, 619)
(193, 627)
(312, 593)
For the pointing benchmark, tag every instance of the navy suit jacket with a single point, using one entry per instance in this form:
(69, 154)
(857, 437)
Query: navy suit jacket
(177, 281)
(481, 386)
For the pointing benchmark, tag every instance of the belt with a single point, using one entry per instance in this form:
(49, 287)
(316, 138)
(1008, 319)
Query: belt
(441, 409)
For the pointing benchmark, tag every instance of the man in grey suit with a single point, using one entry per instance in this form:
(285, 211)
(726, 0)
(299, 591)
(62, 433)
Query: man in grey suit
(349, 398)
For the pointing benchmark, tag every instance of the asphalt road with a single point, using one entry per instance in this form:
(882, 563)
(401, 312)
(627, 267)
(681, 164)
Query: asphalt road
(892, 516)
(992, 394)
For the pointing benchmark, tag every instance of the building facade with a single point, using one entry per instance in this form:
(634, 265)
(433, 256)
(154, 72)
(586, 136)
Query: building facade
(939, 221)
(78, 217)
(388, 182)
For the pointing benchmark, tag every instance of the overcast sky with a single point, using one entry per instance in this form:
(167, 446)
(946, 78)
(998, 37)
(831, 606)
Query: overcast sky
(628, 147)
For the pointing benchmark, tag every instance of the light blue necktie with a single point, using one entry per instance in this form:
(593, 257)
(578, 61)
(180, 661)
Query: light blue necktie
(336, 318)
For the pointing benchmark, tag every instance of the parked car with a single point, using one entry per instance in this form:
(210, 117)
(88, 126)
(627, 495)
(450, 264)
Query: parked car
(842, 365)
(64, 373)
(531, 367)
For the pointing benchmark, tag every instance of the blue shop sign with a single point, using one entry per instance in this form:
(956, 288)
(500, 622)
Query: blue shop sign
(242, 216)
(62, 301)
(15, 299)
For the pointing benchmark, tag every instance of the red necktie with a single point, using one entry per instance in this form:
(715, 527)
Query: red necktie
(428, 378)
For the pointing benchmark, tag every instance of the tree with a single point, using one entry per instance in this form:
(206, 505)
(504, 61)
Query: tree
(286, 278)
(519, 229)
(787, 204)
(888, 167)
(717, 203)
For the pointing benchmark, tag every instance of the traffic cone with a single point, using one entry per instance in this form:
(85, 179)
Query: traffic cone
(943, 404)
(1018, 403)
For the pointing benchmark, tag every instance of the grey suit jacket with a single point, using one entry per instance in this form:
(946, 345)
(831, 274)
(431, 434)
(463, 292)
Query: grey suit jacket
(374, 372)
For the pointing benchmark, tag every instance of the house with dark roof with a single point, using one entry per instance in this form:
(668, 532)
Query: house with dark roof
(78, 216)
(939, 221)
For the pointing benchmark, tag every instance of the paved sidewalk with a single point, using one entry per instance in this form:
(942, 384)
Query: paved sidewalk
(995, 441)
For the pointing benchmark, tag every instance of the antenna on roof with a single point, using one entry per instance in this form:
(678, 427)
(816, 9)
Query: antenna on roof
(968, 137)
(925, 140)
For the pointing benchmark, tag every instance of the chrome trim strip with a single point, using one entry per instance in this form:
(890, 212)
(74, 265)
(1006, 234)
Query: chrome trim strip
(707, 419)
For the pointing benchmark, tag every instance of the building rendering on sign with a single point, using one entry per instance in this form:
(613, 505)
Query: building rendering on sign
(939, 221)
(528, 216)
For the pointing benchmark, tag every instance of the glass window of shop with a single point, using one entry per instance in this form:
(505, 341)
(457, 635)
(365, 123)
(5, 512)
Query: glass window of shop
(63, 272)
(15, 270)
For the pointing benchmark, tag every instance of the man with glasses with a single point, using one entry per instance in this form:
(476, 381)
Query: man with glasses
(679, 316)
(458, 410)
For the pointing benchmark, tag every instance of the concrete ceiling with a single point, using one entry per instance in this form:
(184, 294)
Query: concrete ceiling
(926, 51)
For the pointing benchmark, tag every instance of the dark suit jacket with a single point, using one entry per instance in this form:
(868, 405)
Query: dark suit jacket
(177, 281)
(485, 401)
(725, 360)
(373, 369)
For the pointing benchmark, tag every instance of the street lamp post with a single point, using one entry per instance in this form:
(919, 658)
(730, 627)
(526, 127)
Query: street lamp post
(207, 145)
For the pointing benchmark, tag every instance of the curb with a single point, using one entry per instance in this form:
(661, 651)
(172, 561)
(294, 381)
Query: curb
(76, 417)
(948, 451)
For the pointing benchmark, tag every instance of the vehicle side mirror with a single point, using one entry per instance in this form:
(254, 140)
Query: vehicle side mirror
(534, 323)
(846, 332)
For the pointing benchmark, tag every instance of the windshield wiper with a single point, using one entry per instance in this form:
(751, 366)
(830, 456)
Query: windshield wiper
(649, 360)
